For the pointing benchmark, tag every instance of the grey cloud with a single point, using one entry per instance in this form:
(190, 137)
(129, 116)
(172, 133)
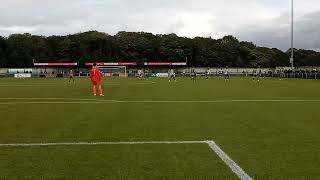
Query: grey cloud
(246, 19)
(277, 33)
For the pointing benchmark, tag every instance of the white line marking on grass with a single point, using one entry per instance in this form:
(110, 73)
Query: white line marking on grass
(57, 102)
(105, 101)
(44, 84)
(100, 143)
(68, 101)
(216, 149)
(26, 85)
(216, 101)
(45, 98)
(232, 165)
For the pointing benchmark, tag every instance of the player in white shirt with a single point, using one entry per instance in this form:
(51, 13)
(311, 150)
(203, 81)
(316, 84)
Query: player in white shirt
(207, 73)
(255, 75)
(193, 75)
(172, 75)
(71, 78)
(226, 75)
(140, 73)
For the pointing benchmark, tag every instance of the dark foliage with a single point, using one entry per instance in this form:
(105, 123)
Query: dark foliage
(19, 50)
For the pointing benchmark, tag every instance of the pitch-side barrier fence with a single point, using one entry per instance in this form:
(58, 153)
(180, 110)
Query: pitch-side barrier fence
(298, 73)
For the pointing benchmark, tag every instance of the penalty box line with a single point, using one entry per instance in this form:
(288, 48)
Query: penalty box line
(109, 101)
(213, 146)
(155, 102)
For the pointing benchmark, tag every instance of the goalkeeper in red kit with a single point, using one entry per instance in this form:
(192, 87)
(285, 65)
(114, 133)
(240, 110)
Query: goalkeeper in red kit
(96, 79)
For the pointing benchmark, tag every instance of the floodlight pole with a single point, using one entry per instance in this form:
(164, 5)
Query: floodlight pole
(291, 59)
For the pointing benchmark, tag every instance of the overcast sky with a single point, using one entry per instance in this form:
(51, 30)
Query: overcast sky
(265, 22)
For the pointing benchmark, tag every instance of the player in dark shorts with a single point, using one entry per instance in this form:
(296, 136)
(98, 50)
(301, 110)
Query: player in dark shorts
(255, 75)
(193, 75)
(140, 73)
(172, 75)
(207, 73)
(71, 78)
(226, 75)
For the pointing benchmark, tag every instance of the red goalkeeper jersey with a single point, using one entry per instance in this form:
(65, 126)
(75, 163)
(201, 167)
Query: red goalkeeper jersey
(95, 74)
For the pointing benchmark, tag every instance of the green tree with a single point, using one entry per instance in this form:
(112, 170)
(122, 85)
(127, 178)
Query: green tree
(18, 50)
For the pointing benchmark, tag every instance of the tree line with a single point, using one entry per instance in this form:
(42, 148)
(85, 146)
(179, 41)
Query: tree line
(19, 50)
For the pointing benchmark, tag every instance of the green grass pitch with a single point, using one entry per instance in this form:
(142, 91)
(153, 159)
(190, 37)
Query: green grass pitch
(267, 139)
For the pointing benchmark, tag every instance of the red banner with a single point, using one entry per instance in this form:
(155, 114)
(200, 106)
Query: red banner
(56, 64)
(107, 74)
(165, 63)
(112, 63)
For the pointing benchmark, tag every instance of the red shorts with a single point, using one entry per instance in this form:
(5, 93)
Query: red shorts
(96, 82)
